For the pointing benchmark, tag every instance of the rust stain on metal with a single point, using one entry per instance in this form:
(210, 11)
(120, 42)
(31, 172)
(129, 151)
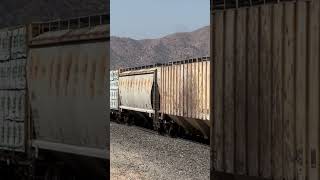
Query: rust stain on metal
(101, 76)
(85, 67)
(84, 74)
(75, 78)
(33, 95)
(43, 70)
(58, 75)
(68, 63)
(35, 68)
(51, 76)
(93, 78)
(29, 67)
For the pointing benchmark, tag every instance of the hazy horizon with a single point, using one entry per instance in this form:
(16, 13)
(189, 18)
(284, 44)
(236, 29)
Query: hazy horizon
(151, 19)
(160, 36)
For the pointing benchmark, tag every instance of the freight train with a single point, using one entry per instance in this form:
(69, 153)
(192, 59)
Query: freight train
(53, 122)
(172, 98)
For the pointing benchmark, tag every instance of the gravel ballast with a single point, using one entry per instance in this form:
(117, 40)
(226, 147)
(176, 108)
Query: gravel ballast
(140, 155)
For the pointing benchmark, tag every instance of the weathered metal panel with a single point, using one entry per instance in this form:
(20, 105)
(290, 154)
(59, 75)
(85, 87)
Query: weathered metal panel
(114, 90)
(5, 36)
(12, 74)
(266, 91)
(3, 75)
(13, 43)
(71, 30)
(18, 43)
(67, 93)
(135, 90)
(67, 67)
(12, 90)
(12, 119)
(71, 35)
(183, 80)
(184, 93)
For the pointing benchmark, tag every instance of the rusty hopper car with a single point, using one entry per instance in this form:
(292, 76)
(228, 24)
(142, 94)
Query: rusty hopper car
(171, 94)
(53, 99)
(266, 90)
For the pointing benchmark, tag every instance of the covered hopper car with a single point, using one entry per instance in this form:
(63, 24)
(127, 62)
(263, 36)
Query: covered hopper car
(53, 120)
(171, 97)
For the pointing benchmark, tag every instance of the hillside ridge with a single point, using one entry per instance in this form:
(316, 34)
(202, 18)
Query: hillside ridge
(128, 52)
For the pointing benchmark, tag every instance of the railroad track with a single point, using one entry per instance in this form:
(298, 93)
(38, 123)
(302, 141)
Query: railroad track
(150, 131)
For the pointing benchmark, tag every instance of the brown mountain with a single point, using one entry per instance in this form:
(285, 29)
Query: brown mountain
(17, 12)
(126, 52)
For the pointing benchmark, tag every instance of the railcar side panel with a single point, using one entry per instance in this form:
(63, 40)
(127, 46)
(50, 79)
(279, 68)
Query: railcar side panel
(71, 79)
(5, 36)
(135, 91)
(12, 119)
(18, 43)
(12, 89)
(67, 71)
(180, 92)
(275, 130)
(181, 97)
(12, 74)
(114, 90)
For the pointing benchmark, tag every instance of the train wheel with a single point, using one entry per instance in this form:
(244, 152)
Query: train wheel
(53, 173)
(172, 130)
(159, 127)
(59, 173)
(118, 118)
(126, 119)
(131, 121)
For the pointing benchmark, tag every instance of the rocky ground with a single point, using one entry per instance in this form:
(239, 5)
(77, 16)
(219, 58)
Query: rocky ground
(139, 155)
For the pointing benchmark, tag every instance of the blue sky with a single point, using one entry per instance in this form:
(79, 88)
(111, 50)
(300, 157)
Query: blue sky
(144, 19)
